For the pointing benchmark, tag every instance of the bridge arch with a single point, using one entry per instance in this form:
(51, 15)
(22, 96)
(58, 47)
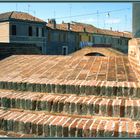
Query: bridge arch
(94, 54)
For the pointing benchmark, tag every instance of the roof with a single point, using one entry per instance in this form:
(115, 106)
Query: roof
(92, 29)
(82, 27)
(19, 16)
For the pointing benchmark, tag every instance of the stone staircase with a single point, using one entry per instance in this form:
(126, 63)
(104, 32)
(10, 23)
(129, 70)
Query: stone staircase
(58, 107)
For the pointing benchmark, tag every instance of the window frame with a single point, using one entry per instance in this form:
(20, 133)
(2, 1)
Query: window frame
(37, 31)
(30, 31)
(13, 32)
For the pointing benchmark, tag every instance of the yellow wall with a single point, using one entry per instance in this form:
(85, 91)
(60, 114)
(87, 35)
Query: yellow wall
(4, 32)
(85, 37)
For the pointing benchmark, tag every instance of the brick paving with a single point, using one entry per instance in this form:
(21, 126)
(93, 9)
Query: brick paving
(51, 68)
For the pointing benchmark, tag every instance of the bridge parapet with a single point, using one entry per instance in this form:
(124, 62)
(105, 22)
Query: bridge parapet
(134, 43)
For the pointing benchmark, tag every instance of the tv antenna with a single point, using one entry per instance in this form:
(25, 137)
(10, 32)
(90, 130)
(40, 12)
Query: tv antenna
(98, 18)
(16, 7)
(70, 11)
(54, 13)
(28, 8)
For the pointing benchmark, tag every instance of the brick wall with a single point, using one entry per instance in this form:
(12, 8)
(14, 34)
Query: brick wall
(134, 55)
(7, 49)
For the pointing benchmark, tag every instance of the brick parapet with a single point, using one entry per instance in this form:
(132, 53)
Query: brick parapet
(134, 55)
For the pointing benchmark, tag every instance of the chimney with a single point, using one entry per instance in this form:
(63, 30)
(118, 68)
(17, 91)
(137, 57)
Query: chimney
(53, 22)
(111, 28)
(68, 27)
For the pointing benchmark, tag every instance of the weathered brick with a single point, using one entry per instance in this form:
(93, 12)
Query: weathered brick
(86, 129)
(100, 129)
(65, 127)
(93, 130)
(79, 127)
(108, 132)
(46, 129)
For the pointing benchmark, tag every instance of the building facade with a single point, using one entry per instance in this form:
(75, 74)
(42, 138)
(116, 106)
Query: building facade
(57, 39)
(19, 27)
(116, 42)
(83, 33)
(60, 41)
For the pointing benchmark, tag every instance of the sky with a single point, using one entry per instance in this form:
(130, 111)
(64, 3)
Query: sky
(117, 16)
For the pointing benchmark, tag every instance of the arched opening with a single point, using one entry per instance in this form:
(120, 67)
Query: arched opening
(94, 54)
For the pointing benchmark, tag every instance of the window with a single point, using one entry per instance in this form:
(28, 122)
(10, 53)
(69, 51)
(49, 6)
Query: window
(93, 38)
(49, 36)
(120, 41)
(14, 30)
(126, 42)
(43, 32)
(59, 37)
(80, 38)
(37, 31)
(30, 31)
(75, 37)
(104, 40)
(64, 37)
(89, 38)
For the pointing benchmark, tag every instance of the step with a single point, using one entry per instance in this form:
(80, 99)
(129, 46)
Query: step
(98, 88)
(10, 134)
(71, 104)
(59, 125)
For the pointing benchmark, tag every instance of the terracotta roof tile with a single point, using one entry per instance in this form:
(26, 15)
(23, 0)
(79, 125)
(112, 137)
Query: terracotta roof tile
(82, 27)
(19, 16)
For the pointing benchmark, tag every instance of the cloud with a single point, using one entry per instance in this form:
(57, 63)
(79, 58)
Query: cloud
(113, 21)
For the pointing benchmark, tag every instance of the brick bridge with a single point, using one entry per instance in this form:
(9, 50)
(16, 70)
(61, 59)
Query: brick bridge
(69, 96)
(72, 96)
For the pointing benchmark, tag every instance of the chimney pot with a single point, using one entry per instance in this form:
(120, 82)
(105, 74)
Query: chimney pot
(68, 26)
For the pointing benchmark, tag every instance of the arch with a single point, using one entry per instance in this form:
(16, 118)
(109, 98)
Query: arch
(94, 54)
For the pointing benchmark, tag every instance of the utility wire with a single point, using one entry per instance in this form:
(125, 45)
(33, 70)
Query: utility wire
(95, 13)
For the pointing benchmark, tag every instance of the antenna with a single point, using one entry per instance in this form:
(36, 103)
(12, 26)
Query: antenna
(16, 7)
(34, 14)
(98, 18)
(70, 11)
(125, 22)
(104, 24)
(54, 13)
(108, 15)
(28, 8)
